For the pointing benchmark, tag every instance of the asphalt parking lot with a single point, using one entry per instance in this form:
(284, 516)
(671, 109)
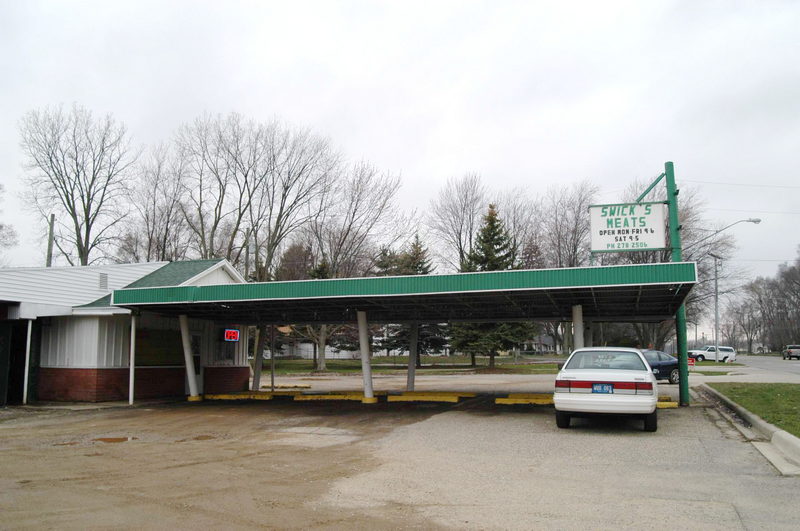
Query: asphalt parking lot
(340, 465)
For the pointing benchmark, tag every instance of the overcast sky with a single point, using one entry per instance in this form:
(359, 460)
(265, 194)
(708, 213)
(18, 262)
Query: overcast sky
(530, 94)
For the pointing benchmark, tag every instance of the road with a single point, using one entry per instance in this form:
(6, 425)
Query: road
(774, 364)
(300, 465)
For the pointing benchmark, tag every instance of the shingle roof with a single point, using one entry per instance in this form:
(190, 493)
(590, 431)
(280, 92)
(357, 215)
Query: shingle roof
(172, 274)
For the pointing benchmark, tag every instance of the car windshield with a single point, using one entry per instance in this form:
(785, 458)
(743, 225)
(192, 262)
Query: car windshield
(651, 355)
(606, 359)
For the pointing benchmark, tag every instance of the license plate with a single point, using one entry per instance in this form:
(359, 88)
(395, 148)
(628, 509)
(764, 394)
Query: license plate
(602, 388)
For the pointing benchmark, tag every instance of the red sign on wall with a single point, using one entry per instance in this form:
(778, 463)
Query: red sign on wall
(231, 334)
(690, 362)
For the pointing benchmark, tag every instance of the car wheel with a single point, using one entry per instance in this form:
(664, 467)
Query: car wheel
(725, 359)
(651, 421)
(700, 358)
(674, 376)
(562, 419)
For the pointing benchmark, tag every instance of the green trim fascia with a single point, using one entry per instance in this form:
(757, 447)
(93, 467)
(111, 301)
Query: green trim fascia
(582, 277)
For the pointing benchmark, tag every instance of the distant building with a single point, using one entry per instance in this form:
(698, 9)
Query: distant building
(59, 322)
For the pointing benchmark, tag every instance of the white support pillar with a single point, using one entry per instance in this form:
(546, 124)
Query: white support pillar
(413, 342)
(186, 339)
(272, 358)
(366, 368)
(132, 361)
(577, 326)
(27, 362)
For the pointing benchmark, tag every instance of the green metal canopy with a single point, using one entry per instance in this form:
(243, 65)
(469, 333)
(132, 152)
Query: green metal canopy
(648, 292)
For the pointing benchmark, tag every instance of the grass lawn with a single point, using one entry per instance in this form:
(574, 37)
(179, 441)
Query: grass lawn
(710, 373)
(712, 363)
(430, 365)
(777, 403)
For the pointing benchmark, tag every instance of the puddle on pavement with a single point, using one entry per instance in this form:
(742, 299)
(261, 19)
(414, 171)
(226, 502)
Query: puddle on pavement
(198, 438)
(115, 439)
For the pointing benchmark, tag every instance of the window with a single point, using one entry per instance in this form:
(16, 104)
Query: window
(604, 359)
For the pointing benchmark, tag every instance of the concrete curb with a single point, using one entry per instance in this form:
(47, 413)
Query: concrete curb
(784, 441)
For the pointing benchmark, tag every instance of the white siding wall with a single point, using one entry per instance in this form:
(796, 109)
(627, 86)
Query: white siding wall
(70, 342)
(104, 342)
(218, 276)
(114, 341)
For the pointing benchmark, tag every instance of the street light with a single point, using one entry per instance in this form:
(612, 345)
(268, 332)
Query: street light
(701, 240)
(717, 258)
(716, 306)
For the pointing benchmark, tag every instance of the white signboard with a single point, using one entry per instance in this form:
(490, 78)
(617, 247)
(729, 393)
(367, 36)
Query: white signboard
(628, 227)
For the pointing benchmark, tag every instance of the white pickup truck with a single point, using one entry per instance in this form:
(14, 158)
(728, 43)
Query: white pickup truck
(726, 354)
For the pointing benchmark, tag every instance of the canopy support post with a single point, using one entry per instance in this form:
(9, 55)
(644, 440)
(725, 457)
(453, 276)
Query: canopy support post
(194, 396)
(27, 363)
(366, 368)
(413, 342)
(132, 361)
(577, 326)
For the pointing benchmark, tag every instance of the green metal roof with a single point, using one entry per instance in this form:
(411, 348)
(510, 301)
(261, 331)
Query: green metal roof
(635, 292)
(172, 274)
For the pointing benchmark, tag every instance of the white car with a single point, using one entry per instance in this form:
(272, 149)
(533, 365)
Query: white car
(610, 380)
(708, 352)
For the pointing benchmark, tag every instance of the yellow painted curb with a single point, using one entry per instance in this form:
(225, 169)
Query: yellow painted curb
(531, 395)
(513, 401)
(423, 398)
(439, 393)
(244, 395)
(366, 400)
(329, 397)
(667, 405)
(195, 398)
(665, 398)
(350, 392)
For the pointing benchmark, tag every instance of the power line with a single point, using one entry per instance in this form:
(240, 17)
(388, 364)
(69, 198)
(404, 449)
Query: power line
(759, 260)
(744, 184)
(755, 211)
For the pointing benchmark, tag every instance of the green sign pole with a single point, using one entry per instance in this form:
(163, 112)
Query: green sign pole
(680, 316)
(675, 244)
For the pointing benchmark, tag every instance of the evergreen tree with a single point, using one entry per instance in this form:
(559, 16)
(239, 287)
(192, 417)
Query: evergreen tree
(492, 252)
(412, 261)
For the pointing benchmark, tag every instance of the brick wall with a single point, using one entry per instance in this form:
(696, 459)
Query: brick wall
(158, 382)
(100, 385)
(225, 379)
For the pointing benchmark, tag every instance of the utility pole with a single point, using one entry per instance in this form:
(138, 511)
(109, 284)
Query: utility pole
(50, 237)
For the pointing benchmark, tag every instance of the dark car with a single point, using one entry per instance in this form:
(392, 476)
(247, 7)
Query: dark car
(665, 367)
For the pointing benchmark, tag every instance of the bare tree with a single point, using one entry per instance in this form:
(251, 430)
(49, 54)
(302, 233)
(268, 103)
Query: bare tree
(78, 168)
(565, 224)
(8, 236)
(521, 217)
(226, 161)
(299, 170)
(158, 230)
(295, 263)
(455, 216)
(356, 216)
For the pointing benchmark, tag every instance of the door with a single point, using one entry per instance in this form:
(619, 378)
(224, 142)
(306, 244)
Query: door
(5, 361)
